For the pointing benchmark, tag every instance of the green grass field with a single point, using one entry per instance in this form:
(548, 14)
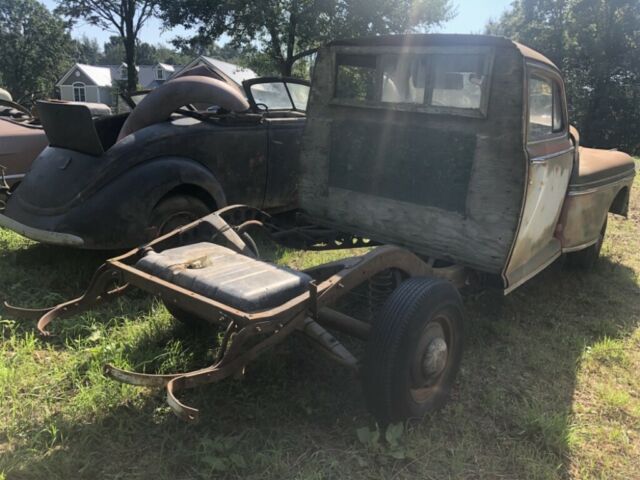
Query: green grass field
(549, 386)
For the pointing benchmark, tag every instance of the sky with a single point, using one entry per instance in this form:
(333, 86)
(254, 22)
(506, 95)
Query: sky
(471, 18)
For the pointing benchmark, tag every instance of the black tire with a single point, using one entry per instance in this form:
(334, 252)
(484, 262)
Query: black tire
(170, 213)
(175, 211)
(415, 320)
(586, 259)
(185, 317)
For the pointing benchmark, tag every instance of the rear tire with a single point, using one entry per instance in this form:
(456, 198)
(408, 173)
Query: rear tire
(176, 211)
(414, 350)
(586, 259)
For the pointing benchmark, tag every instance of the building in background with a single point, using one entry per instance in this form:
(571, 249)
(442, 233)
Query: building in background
(93, 83)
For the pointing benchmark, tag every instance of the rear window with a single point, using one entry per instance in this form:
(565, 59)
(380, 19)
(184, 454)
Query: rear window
(456, 83)
(356, 77)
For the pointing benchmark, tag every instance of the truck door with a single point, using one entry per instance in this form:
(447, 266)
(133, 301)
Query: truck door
(550, 161)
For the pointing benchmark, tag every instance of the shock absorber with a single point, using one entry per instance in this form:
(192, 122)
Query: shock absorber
(381, 285)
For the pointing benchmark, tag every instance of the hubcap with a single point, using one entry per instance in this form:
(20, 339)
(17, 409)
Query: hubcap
(430, 359)
(435, 358)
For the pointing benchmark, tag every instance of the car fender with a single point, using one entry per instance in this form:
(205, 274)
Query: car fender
(117, 215)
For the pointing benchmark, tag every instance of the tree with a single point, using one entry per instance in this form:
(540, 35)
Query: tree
(289, 30)
(124, 17)
(596, 43)
(35, 49)
(87, 51)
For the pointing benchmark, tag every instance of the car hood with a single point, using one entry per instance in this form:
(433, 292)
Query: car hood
(19, 145)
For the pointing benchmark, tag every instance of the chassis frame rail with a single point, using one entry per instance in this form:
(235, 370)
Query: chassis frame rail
(248, 334)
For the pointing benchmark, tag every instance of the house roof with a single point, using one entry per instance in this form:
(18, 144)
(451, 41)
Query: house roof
(228, 71)
(100, 76)
(235, 72)
(105, 75)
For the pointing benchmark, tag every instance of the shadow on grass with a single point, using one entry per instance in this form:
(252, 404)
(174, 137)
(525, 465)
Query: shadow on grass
(296, 412)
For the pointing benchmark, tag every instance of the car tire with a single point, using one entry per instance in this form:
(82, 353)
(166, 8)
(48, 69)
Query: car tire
(176, 211)
(414, 350)
(586, 258)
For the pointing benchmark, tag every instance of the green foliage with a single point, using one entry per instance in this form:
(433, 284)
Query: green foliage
(124, 17)
(283, 32)
(35, 49)
(87, 51)
(597, 45)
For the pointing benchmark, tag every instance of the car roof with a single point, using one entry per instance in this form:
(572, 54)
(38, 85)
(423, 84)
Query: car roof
(443, 39)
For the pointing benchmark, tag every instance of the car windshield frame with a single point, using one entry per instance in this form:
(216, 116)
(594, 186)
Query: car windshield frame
(285, 81)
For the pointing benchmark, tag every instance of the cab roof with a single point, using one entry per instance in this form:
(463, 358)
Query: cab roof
(442, 39)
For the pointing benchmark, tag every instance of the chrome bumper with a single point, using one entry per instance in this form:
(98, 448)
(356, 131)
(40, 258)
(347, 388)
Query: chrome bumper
(44, 236)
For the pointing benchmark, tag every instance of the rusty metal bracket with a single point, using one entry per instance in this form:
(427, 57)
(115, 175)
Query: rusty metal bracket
(96, 293)
(231, 362)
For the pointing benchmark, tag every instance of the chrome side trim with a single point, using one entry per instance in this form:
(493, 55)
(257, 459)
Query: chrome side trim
(583, 189)
(582, 246)
(15, 177)
(545, 158)
(44, 236)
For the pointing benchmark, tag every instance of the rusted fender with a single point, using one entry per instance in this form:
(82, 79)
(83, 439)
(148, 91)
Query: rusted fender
(158, 105)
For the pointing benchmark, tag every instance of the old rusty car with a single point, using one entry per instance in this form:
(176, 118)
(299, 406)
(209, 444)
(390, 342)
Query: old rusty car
(118, 181)
(453, 150)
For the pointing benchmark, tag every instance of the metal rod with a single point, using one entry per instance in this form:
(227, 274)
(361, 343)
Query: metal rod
(330, 318)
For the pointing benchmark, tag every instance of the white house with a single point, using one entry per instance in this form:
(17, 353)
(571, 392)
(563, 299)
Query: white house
(90, 83)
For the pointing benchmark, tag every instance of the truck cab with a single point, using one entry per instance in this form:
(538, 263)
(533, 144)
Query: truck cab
(458, 147)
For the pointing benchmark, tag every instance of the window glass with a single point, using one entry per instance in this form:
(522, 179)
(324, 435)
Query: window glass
(356, 77)
(458, 81)
(540, 108)
(79, 92)
(299, 94)
(558, 123)
(404, 78)
(273, 95)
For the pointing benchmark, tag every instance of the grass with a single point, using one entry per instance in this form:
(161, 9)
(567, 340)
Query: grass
(549, 386)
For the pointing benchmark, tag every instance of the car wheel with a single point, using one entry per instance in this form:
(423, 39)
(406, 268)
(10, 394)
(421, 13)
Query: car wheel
(176, 211)
(414, 350)
(586, 259)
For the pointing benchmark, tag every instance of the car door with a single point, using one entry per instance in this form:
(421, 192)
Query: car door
(283, 102)
(550, 160)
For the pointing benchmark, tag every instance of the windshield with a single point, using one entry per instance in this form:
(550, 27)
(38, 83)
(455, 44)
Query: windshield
(281, 95)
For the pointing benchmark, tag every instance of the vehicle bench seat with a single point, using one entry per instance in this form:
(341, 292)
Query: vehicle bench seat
(221, 274)
(600, 166)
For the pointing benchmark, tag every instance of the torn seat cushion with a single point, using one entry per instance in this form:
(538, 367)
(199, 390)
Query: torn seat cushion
(221, 274)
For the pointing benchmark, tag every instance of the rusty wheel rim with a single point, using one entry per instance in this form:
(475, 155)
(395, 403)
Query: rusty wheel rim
(432, 356)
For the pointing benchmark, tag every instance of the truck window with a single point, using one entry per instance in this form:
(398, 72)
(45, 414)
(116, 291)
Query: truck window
(458, 81)
(356, 77)
(403, 78)
(440, 83)
(545, 108)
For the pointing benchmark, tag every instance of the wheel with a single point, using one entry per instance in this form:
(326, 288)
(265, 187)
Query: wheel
(414, 350)
(183, 316)
(175, 211)
(585, 259)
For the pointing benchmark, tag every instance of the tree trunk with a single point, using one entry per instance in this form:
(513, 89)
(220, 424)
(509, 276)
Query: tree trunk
(286, 68)
(130, 54)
